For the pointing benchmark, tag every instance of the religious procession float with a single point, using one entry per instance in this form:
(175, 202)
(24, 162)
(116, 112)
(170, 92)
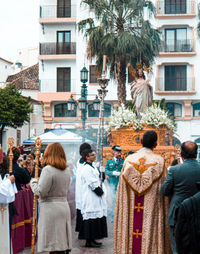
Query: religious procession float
(126, 128)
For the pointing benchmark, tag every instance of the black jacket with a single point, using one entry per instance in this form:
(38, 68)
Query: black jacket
(180, 184)
(187, 231)
(22, 176)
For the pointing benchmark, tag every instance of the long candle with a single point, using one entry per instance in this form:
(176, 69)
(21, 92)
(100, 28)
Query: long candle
(104, 63)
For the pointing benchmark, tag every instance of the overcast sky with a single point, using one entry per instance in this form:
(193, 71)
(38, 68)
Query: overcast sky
(19, 27)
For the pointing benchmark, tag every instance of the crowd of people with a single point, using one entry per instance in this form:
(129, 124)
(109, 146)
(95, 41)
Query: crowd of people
(154, 209)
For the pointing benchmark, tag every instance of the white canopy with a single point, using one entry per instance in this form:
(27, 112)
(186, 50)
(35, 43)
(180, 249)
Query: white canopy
(58, 135)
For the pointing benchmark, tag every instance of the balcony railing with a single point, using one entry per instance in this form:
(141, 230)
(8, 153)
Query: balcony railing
(57, 48)
(176, 46)
(50, 85)
(180, 7)
(54, 11)
(175, 84)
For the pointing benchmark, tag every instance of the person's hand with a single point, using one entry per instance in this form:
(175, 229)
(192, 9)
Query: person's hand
(28, 186)
(35, 179)
(11, 178)
(115, 173)
(128, 64)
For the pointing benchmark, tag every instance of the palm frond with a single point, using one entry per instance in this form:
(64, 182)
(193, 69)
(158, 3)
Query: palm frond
(83, 24)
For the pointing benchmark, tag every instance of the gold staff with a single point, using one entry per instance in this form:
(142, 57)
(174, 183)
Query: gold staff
(11, 156)
(38, 144)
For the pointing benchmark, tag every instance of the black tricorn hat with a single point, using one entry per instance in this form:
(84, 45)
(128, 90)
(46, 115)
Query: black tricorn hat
(116, 148)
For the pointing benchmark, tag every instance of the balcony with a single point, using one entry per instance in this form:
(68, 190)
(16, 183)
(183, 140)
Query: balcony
(57, 50)
(56, 14)
(180, 9)
(50, 86)
(175, 86)
(176, 46)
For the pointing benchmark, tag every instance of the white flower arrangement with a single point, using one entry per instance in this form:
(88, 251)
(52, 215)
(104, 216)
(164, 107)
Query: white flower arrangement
(154, 116)
(123, 116)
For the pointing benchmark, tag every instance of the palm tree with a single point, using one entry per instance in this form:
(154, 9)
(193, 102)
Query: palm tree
(120, 32)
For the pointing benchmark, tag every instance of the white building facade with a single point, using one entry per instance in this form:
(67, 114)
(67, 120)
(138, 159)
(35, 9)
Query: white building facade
(176, 69)
(6, 68)
(63, 54)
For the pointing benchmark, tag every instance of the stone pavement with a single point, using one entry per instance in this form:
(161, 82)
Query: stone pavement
(78, 246)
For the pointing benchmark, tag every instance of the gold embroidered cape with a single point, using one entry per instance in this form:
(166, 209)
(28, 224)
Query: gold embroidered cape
(141, 179)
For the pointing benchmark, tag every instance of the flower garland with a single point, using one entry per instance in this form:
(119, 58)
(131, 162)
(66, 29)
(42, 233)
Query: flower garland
(154, 116)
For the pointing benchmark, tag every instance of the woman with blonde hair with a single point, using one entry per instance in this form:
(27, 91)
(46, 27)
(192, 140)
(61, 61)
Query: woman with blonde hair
(54, 226)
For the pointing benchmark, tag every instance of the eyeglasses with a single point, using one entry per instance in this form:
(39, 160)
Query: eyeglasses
(90, 155)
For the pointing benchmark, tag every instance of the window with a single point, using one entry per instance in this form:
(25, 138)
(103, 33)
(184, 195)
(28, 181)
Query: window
(63, 80)
(63, 45)
(176, 40)
(93, 74)
(175, 6)
(107, 110)
(196, 109)
(63, 8)
(175, 109)
(176, 78)
(94, 113)
(63, 36)
(62, 111)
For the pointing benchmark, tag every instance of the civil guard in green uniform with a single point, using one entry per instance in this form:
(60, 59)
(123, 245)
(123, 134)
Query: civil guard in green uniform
(112, 171)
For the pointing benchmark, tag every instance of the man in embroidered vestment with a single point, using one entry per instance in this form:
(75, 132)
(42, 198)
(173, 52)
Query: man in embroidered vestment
(140, 209)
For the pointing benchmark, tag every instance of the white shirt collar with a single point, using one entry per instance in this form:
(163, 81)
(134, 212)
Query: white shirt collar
(145, 149)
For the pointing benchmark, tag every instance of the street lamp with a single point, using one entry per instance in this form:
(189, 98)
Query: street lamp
(96, 104)
(82, 103)
(83, 100)
(84, 75)
(71, 104)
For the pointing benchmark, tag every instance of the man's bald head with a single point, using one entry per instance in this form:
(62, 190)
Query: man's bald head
(189, 150)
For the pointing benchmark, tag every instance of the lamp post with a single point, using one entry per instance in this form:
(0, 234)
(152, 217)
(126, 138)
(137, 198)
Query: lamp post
(83, 100)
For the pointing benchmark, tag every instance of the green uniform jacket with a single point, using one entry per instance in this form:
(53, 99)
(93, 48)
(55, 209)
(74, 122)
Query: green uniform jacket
(112, 165)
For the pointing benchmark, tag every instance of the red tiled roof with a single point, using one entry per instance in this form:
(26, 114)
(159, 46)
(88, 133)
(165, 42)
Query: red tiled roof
(26, 79)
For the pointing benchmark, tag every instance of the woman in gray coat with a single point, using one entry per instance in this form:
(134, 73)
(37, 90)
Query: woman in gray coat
(54, 226)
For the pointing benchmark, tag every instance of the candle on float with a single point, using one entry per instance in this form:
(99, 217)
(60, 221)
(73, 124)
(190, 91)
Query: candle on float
(104, 63)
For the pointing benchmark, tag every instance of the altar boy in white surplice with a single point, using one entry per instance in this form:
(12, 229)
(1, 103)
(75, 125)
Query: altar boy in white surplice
(7, 195)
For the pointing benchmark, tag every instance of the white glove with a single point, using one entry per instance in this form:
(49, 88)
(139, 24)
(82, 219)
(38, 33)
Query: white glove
(102, 169)
(116, 173)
